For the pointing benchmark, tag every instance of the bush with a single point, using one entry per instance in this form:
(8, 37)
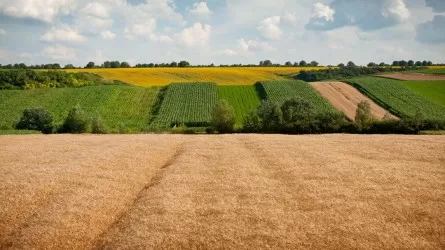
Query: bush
(223, 117)
(363, 116)
(76, 122)
(36, 119)
(270, 115)
(298, 116)
(252, 122)
(97, 125)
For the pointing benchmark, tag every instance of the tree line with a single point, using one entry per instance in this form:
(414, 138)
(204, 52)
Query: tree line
(185, 64)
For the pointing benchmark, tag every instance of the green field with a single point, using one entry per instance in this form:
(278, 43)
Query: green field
(397, 98)
(280, 91)
(116, 104)
(242, 98)
(190, 104)
(433, 90)
(436, 71)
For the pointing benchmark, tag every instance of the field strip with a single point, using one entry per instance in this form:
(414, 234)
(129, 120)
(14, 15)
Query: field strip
(412, 76)
(222, 191)
(345, 98)
(67, 196)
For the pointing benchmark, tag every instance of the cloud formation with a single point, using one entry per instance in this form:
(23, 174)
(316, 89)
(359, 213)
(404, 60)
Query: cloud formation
(365, 14)
(269, 28)
(432, 32)
(196, 35)
(437, 5)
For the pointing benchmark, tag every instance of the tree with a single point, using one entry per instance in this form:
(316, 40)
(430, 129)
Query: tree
(371, 64)
(410, 63)
(76, 122)
(115, 64)
(90, 65)
(107, 64)
(252, 122)
(125, 65)
(314, 63)
(56, 66)
(418, 63)
(223, 117)
(382, 64)
(261, 63)
(430, 63)
(351, 64)
(173, 64)
(424, 63)
(403, 63)
(36, 119)
(270, 115)
(363, 116)
(297, 115)
(396, 63)
(288, 64)
(69, 66)
(295, 64)
(341, 65)
(267, 63)
(184, 64)
(303, 63)
(97, 125)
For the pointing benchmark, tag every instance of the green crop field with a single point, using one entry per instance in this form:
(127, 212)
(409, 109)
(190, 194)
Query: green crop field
(280, 91)
(243, 98)
(127, 105)
(397, 98)
(436, 71)
(433, 90)
(190, 104)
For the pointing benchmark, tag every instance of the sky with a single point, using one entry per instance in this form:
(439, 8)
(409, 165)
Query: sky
(221, 31)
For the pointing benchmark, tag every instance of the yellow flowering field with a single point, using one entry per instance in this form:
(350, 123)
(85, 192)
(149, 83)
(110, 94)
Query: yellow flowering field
(221, 76)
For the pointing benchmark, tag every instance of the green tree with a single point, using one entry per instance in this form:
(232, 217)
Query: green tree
(36, 119)
(314, 63)
(223, 117)
(183, 64)
(298, 115)
(76, 122)
(303, 63)
(89, 65)
(288, 64)
(252, 122)
(270, 116)
(363, 116)
(351, 64)
(125, 65)
(97, 125)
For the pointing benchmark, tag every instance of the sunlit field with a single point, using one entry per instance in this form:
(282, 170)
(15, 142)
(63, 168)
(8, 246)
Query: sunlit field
(221, 76)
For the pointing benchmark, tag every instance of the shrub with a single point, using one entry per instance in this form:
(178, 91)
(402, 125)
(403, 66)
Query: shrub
(36, 119)
(298, 116)
(97, 125)
(270, 115)
(223, 117)
(123, 128)
(252, 122)
(76, 122)
(363, 116)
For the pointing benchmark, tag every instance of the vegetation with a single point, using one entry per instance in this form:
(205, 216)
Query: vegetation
(398, 99)
(223, 117)
(432, 90)
(363, 116)
(115, 104)
(219, 75)
(280, 91)
(346, 72)
(36, 119)
(435, 70)
(187, 104)
(31, 79)
(241, 98)
(97, 125)
(76, 122)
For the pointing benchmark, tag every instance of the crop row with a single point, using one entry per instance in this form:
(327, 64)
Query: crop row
(397, 98)
(242, 98)
(188, 104)
(280, 91)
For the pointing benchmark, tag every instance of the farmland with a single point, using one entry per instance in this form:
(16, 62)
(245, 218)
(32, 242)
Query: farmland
(398, 99)
(433, 70)
(280, 91)
(434, 91)
(118, 105)
(188, 104)
(242, 98)
(222, 192)
(220, 75)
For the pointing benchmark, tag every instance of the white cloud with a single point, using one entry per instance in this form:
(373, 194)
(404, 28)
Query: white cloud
(107, 35)
(143, 29)
(196, 35)
(2, 32)
(43, 10)
(96, 9)
(200, 8)
(63, 33)
(268, 28)
(157, 9)
(395, 9)
(254, 45)
(290, 17)
(324, 12)
(59, 52)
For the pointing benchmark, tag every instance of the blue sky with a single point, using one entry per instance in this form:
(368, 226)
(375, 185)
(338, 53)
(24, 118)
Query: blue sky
(221, 31)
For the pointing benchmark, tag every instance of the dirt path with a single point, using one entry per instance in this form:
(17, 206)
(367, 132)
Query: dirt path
(413, 77)
(228, 191)
(345, 98)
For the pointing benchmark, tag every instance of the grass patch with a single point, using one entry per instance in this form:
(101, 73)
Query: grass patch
(19, 132)
(433, 90)
(118, 105)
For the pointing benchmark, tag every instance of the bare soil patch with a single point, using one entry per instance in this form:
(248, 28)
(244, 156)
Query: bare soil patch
(228, 191)
(345, 98)
(413, 77)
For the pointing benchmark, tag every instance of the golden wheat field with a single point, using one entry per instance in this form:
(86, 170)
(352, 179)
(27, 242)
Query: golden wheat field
(222, 192)
(219, 75)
